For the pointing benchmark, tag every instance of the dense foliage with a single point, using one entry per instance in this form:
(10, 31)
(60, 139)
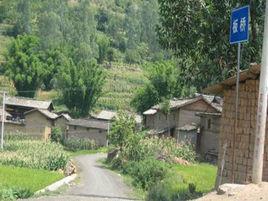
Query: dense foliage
(122, 129)
(24, 65)
(198, 33)
(165, 82)
(80, 85)
(144, 152)
(106, 30)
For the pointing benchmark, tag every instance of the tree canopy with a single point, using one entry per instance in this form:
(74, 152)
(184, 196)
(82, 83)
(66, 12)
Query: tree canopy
(198, 33)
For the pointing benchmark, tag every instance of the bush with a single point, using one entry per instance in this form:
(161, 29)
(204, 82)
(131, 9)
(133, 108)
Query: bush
(34, 154)
(122, 128)
(79, 144)
(56, 135)
(146, 173)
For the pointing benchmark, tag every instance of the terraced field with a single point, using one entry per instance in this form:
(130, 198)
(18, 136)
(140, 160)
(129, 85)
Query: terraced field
(121, 84)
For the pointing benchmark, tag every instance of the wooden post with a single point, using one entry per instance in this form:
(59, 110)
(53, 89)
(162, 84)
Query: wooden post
(262, 109)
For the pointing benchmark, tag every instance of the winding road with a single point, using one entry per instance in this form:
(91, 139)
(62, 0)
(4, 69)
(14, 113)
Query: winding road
(96, 183)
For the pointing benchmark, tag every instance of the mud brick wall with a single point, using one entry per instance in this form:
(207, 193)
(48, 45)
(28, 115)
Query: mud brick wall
(245, 135)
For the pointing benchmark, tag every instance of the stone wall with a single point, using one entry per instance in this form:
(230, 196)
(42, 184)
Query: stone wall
(245, 135)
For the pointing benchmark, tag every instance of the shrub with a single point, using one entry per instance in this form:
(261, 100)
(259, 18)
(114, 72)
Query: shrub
(122, 128)
(147, 172)
(74, 144)
(56, 135)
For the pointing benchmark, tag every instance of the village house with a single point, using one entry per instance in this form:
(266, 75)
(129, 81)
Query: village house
(181, 122)
(92, 129)
(236, 146)
(17, 106)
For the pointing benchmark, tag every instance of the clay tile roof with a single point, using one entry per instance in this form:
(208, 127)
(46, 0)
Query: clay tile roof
(179, 103)
(106, 115)
(252, 72)
(66, 116)
(27, 102)
(46, 113)
(89, 123)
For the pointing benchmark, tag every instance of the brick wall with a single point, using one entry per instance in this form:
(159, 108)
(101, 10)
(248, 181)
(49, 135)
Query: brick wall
(244, 143)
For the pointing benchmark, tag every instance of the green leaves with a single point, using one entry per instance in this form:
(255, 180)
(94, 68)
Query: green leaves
(198, 33)
(81, 86)
(24, 65)
(165, 82)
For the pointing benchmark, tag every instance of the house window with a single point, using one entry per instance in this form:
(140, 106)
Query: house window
(209, 124)
(100, 131)
(87, 129)
(75, 127)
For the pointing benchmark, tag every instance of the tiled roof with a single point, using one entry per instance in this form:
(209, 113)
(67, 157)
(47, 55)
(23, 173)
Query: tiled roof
(66, 116)
(179, 103)
(109, 115)
(252, 72)
(89, 123)
(27, 102)
(105, 115)
(46, 113)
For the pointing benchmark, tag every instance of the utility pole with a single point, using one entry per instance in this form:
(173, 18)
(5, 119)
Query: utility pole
(3, 121)
(262, 109)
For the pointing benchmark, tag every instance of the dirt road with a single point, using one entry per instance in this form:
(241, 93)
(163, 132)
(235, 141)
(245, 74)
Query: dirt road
(95, 183)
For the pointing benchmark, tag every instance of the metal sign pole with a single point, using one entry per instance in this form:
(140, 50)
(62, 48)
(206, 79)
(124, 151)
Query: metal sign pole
(257, 169)
(3, 121)
(236, 107)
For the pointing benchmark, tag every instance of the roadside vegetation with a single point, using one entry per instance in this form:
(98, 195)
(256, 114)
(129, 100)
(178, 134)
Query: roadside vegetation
(167, 171)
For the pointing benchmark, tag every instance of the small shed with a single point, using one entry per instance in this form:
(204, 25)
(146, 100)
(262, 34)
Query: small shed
(236, 148)
(89, 129)
(209, 135)
(188, 134)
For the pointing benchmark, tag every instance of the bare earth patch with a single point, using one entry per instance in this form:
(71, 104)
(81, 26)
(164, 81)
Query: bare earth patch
(249, 192)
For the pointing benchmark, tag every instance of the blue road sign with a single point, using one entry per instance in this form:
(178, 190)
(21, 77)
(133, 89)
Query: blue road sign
(239, 26)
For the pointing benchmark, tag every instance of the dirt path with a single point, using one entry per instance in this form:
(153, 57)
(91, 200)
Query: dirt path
(250, 192)
(96, 183)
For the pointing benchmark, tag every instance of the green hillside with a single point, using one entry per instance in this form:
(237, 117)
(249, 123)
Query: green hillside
(121, 83)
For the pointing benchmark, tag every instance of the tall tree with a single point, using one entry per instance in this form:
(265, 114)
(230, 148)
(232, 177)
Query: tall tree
(80, 86)
(165, 82)
(198, 33)
(24, 66)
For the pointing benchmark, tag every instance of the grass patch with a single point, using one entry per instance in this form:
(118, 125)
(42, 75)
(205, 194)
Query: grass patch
(202, 175)
(184, 183)
(31, 179)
